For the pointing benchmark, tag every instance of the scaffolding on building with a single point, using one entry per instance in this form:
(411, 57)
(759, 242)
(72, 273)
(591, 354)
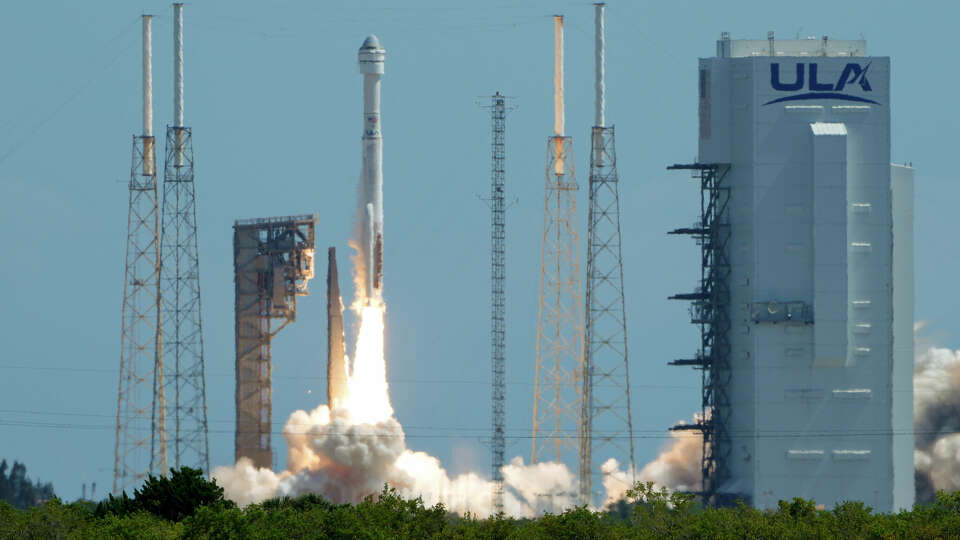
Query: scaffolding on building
(273, 263)
(710, 310)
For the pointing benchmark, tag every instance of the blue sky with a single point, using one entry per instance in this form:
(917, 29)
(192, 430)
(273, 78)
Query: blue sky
(273, 97)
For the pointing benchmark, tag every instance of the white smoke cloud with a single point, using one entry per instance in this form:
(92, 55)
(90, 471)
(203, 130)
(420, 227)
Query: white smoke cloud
(330, 455)
(245, 484)
(936, 416)
(676, 468)
(936, 398)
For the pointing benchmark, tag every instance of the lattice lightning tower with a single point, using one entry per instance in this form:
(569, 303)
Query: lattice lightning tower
(185, 386)
(140, 400)
(498, 113)
(559, 368)
(606, 412)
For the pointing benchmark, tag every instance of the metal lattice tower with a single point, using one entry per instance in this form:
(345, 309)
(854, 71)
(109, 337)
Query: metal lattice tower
(559, 368)
(273, 261)
(710, 310)
(607, 420)
(182, 328)
(498, 114)
(140, 401)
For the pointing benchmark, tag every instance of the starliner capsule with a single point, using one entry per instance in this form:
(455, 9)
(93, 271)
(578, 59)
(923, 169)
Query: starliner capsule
(370, 60)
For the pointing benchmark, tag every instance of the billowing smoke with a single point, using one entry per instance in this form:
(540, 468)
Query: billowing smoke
(936, 416)
(350, 451)
(936, 413)
(331, 455)
(677, 468)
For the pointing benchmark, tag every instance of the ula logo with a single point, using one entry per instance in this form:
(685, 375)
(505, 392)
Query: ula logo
(852, 74)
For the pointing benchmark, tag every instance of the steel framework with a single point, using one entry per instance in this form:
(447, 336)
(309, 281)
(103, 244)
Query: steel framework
(273, 262)
(182, 328)
(141, 351)
(606, 418)
(559, 368)
(140, 446)
(710, 310)
(607, 415)
(498, 113)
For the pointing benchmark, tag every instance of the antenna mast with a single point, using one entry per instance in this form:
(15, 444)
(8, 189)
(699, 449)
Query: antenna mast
(498, 112)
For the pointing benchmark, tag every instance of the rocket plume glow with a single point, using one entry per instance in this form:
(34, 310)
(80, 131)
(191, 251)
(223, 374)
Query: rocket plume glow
(368, 399)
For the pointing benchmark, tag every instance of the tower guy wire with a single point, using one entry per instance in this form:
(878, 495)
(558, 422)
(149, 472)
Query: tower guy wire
(182, 327)
(607, 419)
(559, 357)
(140, 446)
(498, 111)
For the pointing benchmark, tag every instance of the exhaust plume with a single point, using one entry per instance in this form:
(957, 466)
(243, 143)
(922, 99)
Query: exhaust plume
(936, 417)
(344, 461)
(677, 468)
(936, 403)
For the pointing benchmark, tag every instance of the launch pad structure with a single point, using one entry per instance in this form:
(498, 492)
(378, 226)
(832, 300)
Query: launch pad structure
(710, 311)
(273, 263)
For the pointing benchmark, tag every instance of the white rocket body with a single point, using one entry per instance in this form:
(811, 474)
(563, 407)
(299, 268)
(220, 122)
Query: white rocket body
(370, 60)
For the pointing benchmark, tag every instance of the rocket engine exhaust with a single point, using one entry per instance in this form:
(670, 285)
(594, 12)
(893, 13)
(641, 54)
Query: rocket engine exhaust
(370, 61)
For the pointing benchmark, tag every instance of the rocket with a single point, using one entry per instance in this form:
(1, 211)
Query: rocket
(370, 60)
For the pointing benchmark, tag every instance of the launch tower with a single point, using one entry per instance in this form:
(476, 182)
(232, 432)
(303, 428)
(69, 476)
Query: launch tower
(273, 263)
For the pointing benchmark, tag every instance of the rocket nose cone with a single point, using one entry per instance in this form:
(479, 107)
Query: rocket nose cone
(371, 42)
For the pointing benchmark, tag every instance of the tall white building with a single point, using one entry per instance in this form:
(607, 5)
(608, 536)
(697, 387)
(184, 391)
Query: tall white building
(809, 290)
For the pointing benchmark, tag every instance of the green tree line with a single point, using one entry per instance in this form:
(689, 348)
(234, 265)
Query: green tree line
(186, 505)
(17, 490)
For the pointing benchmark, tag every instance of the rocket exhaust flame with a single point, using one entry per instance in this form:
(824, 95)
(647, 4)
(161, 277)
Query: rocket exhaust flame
(368, 399)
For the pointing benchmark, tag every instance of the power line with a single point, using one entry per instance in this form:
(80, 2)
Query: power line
(527, 435)
(324, 378)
